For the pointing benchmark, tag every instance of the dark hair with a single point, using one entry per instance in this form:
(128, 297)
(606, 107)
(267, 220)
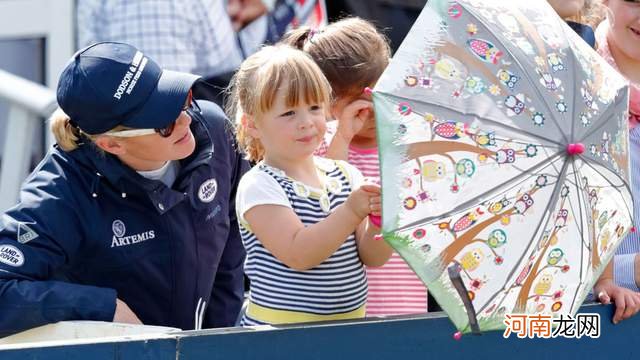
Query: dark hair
(351, 53)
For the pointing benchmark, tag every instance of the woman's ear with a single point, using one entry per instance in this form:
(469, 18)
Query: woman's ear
(248, 122)
(110, 144)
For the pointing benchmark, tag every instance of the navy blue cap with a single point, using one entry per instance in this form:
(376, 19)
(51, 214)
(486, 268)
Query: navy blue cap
(109, 84)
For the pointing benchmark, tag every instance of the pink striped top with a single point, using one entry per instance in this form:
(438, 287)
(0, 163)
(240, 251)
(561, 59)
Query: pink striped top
(394, 289)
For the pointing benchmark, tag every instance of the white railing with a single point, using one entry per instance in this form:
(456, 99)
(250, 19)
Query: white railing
(28, 103)
(53, 21)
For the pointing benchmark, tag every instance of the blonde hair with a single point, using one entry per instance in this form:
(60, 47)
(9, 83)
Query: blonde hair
(66, 134)
(254, 86)
(351, 53)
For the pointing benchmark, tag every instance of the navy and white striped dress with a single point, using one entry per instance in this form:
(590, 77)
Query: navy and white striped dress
(337, 286)
(624, 263)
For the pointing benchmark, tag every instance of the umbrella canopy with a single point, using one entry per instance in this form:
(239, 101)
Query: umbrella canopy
(504, 159)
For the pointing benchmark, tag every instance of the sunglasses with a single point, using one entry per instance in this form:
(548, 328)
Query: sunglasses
(166, 131)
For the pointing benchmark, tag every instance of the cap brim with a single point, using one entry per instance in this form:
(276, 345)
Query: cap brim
(165, 103)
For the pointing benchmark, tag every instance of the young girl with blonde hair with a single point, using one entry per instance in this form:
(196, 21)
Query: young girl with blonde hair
(303, 219)
(353, 54)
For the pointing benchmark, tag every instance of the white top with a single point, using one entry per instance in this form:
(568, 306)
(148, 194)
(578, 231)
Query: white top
(259, 188)
(336, 286)
(167, 174)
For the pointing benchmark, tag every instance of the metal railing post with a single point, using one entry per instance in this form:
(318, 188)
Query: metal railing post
(28, 102)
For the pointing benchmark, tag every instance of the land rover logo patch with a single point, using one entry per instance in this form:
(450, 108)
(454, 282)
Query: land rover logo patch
(207, 191)
(10, 255)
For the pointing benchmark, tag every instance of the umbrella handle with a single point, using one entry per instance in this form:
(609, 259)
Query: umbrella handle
(376, 220)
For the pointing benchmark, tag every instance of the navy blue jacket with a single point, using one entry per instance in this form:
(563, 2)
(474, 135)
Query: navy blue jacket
(89, 229)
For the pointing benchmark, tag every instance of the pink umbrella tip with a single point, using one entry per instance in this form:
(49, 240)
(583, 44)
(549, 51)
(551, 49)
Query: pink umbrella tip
(633, 229)
(457, 336)
(376, 220)
(368, 90)
(575, 149)
(378, 237)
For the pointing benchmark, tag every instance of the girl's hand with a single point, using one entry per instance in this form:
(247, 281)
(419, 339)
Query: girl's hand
(375, 205)
(627, 301)
(352, 118)
(364, 201)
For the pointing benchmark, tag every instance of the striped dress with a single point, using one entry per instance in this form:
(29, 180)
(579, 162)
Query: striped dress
(394, 289)
(335, 289)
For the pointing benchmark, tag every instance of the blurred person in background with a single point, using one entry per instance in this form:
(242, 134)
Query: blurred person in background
(209, 38)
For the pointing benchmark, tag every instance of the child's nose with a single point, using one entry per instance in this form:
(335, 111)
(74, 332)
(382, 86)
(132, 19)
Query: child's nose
(305, 120)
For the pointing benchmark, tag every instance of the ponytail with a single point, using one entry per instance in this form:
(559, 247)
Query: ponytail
(297, 38)
(66, 135)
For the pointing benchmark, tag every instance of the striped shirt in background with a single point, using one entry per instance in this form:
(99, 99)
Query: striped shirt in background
(624, 261)
(334, 290)
(394, 289)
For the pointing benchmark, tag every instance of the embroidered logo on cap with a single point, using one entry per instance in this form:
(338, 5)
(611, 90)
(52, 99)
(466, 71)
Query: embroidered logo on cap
(207, 191)
(11, 255)
(132, 75)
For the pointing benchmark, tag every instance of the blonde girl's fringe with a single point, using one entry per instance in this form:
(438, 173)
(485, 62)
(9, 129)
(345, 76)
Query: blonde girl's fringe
(254, 88)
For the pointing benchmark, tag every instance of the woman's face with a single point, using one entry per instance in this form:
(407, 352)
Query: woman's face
(149, 152)
(624, 19)
(567, 8)
(290, 133)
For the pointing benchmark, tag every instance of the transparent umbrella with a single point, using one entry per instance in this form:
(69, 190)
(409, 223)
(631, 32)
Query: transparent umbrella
(504, 159)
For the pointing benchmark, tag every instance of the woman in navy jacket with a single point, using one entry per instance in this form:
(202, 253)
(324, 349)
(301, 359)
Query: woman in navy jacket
(130, 217)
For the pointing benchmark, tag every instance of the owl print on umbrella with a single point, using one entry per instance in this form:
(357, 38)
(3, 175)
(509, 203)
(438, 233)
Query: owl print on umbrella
(504, 160)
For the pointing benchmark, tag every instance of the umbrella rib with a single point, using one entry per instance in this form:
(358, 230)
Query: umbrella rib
(497, 123)
(579, 197)
(575, 95)
(533, 83)
(581, 202)
(617, 187)
(602, 123)
(471, 202)
(545, 219)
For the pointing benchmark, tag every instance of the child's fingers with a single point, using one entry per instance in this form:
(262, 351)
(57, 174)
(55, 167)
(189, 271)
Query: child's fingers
(632, 307)
(620, 308)
(604, 298)
(375, 208)
(364, 114)
(353, 108)
(361, 104)
(371, 188)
